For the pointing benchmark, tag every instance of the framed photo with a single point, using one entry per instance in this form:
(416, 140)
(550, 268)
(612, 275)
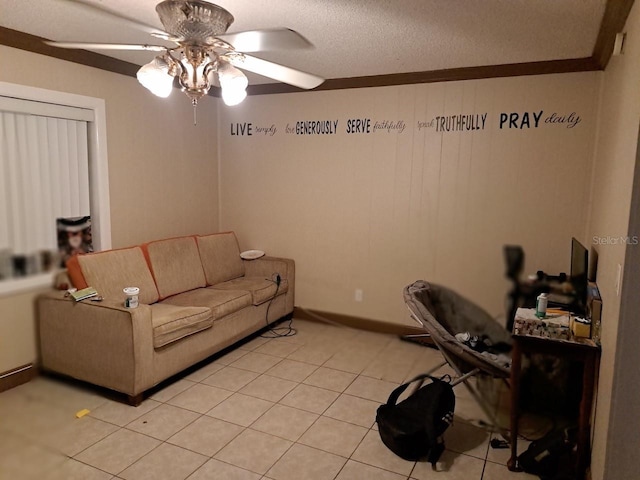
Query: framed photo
(74, 236)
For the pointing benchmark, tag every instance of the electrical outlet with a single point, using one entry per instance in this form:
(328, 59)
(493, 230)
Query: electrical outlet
(359, 295)
(618, 279)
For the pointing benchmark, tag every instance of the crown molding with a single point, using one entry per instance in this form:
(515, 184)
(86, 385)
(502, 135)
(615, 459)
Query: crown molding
(35, 44)
(449, 75)
(613, 21)
(615, 17)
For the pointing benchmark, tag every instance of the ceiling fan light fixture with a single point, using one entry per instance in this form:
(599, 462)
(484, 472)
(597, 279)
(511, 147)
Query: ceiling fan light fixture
(231, 77)
(232, 82)
(194, 21)
(195, 72)
(207, 52)
(157, 76)
(233, 97)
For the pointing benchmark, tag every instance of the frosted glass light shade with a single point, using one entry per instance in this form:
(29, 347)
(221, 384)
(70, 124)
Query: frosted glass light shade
(233, 97)
(233, 83)
(231, 77)
(155, 77)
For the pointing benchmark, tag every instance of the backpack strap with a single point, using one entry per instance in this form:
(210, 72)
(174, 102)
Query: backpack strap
(393, 398)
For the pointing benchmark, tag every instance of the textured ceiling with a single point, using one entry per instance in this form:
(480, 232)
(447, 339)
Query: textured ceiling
(354, 38)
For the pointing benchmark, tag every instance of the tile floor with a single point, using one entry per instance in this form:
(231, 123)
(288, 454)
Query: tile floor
(295, 408)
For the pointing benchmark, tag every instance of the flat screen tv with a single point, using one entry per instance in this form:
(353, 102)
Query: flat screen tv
(579, 271)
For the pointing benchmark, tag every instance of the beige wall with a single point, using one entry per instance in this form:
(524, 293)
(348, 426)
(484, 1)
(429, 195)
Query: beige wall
(378, 211)
(163, 170)
(615, 160)
(18, 345)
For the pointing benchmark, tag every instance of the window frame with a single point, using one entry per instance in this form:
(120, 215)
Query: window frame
(98, 173)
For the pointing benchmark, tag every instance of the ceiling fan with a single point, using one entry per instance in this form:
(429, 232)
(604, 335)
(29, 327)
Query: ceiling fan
(204, 50)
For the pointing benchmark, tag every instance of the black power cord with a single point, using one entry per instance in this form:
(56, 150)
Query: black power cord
(277, 332)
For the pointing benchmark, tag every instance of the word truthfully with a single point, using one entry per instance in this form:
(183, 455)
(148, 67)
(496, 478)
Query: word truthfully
(458, 123)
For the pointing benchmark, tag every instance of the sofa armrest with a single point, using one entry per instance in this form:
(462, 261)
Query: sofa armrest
(268, 266)
(99, 342)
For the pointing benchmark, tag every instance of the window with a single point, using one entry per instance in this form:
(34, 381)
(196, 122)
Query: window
(52, 165)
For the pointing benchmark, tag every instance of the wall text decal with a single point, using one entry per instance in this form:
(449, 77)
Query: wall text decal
(313, 127)
(520, 120)
(390, 126)
(459, 123)
(571, 120)
(359, 125)
(244, 129)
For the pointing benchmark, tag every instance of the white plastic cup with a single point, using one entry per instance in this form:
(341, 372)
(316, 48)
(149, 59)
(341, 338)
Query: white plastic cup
(132, 297)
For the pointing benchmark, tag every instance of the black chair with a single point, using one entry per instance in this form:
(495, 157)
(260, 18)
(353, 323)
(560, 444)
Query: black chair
(443, 313)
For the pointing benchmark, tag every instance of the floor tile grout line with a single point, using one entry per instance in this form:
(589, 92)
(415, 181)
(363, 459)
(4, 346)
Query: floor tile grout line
(95, 443)
(137, 460)
(274, 376)
(178, 431)
(237, 466)
(92, 466)
(375, 466)
(220, 449)
(113, 433)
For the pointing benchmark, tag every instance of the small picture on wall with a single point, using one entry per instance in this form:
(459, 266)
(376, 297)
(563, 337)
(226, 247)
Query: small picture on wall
(74, 236)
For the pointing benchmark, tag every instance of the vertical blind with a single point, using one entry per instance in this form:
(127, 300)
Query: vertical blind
(44, 175)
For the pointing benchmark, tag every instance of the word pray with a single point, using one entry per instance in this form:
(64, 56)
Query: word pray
(520, 120)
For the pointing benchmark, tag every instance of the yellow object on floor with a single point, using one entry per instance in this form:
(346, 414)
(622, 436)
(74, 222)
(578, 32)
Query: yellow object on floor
(82, 413)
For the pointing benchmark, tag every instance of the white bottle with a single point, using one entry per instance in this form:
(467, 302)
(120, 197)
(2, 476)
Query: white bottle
(541, 305)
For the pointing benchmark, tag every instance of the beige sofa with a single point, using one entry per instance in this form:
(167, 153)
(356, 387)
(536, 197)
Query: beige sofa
(197, 297)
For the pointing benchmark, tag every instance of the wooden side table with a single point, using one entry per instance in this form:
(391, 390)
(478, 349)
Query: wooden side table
(580, 349)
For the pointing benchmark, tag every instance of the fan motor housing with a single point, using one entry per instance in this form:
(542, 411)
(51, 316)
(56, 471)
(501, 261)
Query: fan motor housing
(194, 21)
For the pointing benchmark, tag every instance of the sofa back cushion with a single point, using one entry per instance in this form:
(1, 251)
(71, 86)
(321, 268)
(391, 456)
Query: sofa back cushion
(175, 265)
(112, 270)
(220, 255)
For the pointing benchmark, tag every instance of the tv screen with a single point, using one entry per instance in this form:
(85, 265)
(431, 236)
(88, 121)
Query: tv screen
(579, 271)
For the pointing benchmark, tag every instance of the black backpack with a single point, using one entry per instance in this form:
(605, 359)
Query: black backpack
(413, 428)
(550, 455)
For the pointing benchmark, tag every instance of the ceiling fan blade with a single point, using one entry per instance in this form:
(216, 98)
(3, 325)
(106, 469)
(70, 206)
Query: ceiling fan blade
(294, 77)
(94, 8)
(268, 39)
(106, 46)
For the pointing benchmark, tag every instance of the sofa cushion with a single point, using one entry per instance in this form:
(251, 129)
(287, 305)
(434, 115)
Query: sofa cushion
(112, 270)
(261, 290)
(220, 255)
(220, 302)
(171, 323)
(175, 265)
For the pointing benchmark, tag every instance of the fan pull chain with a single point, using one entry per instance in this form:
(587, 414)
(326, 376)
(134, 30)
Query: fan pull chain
(195, 116)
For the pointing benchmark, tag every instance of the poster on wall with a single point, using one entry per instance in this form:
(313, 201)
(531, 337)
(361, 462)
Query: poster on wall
(74, 236)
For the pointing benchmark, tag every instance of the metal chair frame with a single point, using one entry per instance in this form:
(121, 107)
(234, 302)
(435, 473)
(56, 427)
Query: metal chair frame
(476, 364)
